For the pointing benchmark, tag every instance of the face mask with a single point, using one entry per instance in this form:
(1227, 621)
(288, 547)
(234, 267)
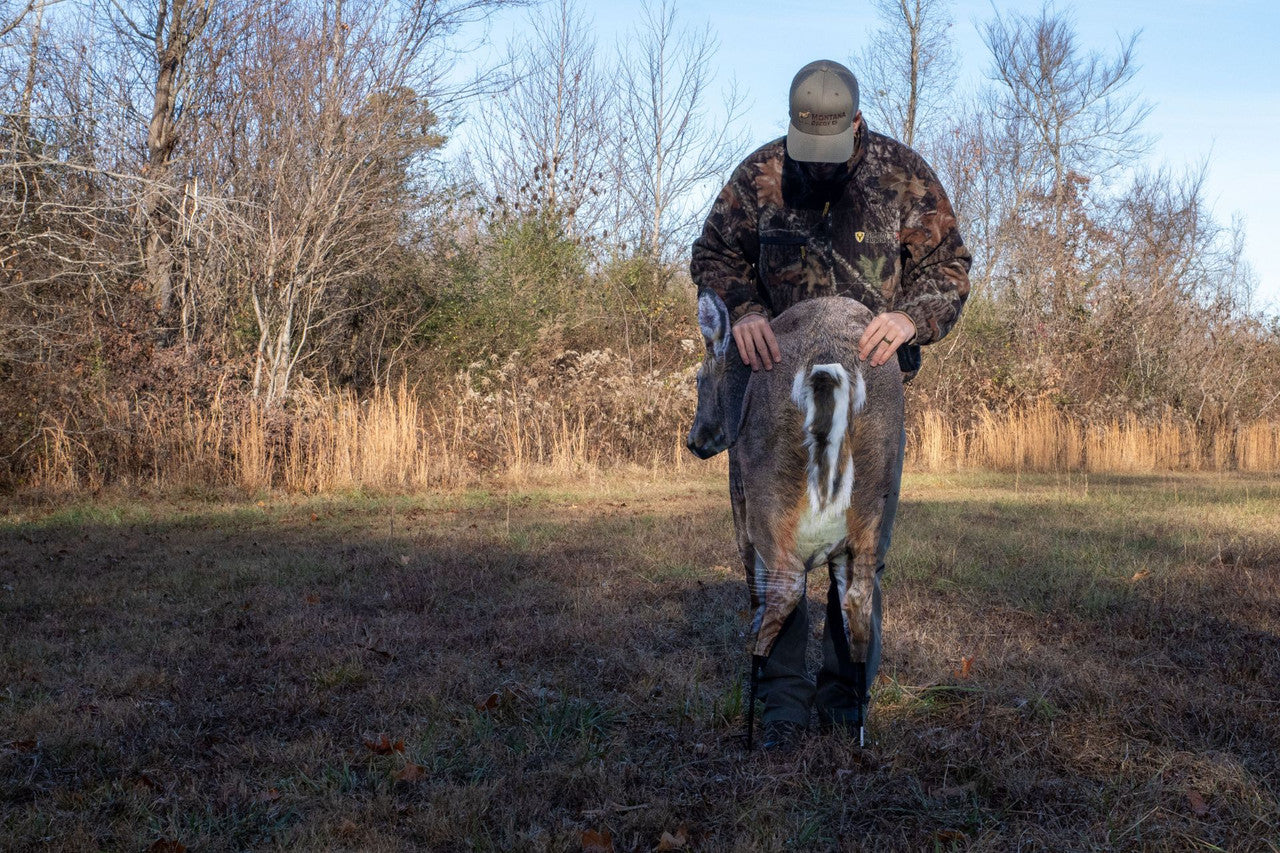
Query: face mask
(824, 172)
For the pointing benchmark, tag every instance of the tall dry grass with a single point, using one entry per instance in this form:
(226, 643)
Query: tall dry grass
(1041, 438)
(513, 421)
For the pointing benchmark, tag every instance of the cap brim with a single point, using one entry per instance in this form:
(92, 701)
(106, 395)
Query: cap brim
(811, 148)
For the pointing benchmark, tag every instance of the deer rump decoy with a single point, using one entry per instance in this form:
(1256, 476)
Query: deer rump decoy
(812, 444)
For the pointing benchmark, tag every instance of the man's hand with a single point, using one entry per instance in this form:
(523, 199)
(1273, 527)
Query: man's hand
(756, 344)
(884, 335)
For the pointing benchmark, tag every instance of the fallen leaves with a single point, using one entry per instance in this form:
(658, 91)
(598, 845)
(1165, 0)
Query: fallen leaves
(1139, 575)
(382, 744)
(951, 836)
(596, 842)
(966, 667)
(951, 792)
(678, 841)
(146, 780)
(511, 693)
(411, 773)
(1195, 800)
(165, 845)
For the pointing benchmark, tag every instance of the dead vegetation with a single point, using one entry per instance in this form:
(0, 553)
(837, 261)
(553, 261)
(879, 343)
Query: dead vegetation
(514, 421)
(212, 274)
(1072, 662)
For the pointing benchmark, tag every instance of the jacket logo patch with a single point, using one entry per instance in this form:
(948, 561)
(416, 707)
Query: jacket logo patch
(887, 238)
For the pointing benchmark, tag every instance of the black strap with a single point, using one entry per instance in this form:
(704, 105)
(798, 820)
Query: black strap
(757, 667)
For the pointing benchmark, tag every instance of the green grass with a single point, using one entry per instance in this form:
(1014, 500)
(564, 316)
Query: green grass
(209, 672)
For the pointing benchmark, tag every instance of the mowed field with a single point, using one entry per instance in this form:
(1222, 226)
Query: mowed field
(1071, 664)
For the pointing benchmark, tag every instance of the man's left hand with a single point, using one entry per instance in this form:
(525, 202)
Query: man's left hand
(884, 335)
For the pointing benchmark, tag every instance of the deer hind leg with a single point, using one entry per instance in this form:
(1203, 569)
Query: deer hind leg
(843, 684)
(855, 579)
(852, 617)
(778, 589)
(738, 500)
(782, 632)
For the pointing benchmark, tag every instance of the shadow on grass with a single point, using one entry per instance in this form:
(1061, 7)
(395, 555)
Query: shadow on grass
(215, 681)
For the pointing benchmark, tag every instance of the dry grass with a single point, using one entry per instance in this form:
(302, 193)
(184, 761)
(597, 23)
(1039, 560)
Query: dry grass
(208, 673)
(518, 421)
(1042, 438)
(513, 420)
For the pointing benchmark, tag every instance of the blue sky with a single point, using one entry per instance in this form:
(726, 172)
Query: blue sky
(1205, 65)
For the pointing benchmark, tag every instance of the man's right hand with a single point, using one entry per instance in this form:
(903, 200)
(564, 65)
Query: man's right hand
(756, 344)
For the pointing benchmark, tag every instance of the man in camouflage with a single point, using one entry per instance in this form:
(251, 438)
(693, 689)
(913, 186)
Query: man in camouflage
(831, 209)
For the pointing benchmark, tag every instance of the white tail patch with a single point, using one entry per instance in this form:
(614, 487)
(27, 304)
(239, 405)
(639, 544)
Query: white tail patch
(826, 424)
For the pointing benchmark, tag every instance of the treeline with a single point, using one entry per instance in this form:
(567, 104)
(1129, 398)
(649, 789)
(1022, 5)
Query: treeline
(231, 213)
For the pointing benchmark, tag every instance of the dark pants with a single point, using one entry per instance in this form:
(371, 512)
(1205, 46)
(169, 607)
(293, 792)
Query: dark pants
(785, 686)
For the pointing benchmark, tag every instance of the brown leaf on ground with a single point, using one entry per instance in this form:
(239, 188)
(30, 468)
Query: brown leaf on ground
(596, 842)
(1139, 575)
(383, 745)
(966, 667)
(146, 780)
(1195, 800)
(164, 845)
(674, 842)
(489, 702)
(949, 792)
(411, 773)
(21, 745)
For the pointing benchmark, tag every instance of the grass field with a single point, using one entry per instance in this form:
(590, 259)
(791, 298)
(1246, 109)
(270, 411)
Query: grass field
(1071, 664)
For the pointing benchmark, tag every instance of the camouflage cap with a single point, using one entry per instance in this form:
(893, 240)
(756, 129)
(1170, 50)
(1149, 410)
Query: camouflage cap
(824, 100)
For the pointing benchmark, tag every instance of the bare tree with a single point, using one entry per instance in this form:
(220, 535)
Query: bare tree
(330, 123)
(540, 142)
(165, 36)
(12, 15)
(1176, 297)
(61, 208)
(1082, 121)
(671, 142)
(909, 65)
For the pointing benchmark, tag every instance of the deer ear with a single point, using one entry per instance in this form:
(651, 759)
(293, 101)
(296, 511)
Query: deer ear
(713, 318)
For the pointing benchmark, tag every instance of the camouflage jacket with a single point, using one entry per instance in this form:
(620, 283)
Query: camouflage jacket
(884, 234)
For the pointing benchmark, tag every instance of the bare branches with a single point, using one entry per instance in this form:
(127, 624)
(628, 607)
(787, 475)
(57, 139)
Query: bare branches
(268, 170)
(1076, 101)
(541, 142)
(909, 65)
(11, 19)
(671, 143)
(324, 157)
